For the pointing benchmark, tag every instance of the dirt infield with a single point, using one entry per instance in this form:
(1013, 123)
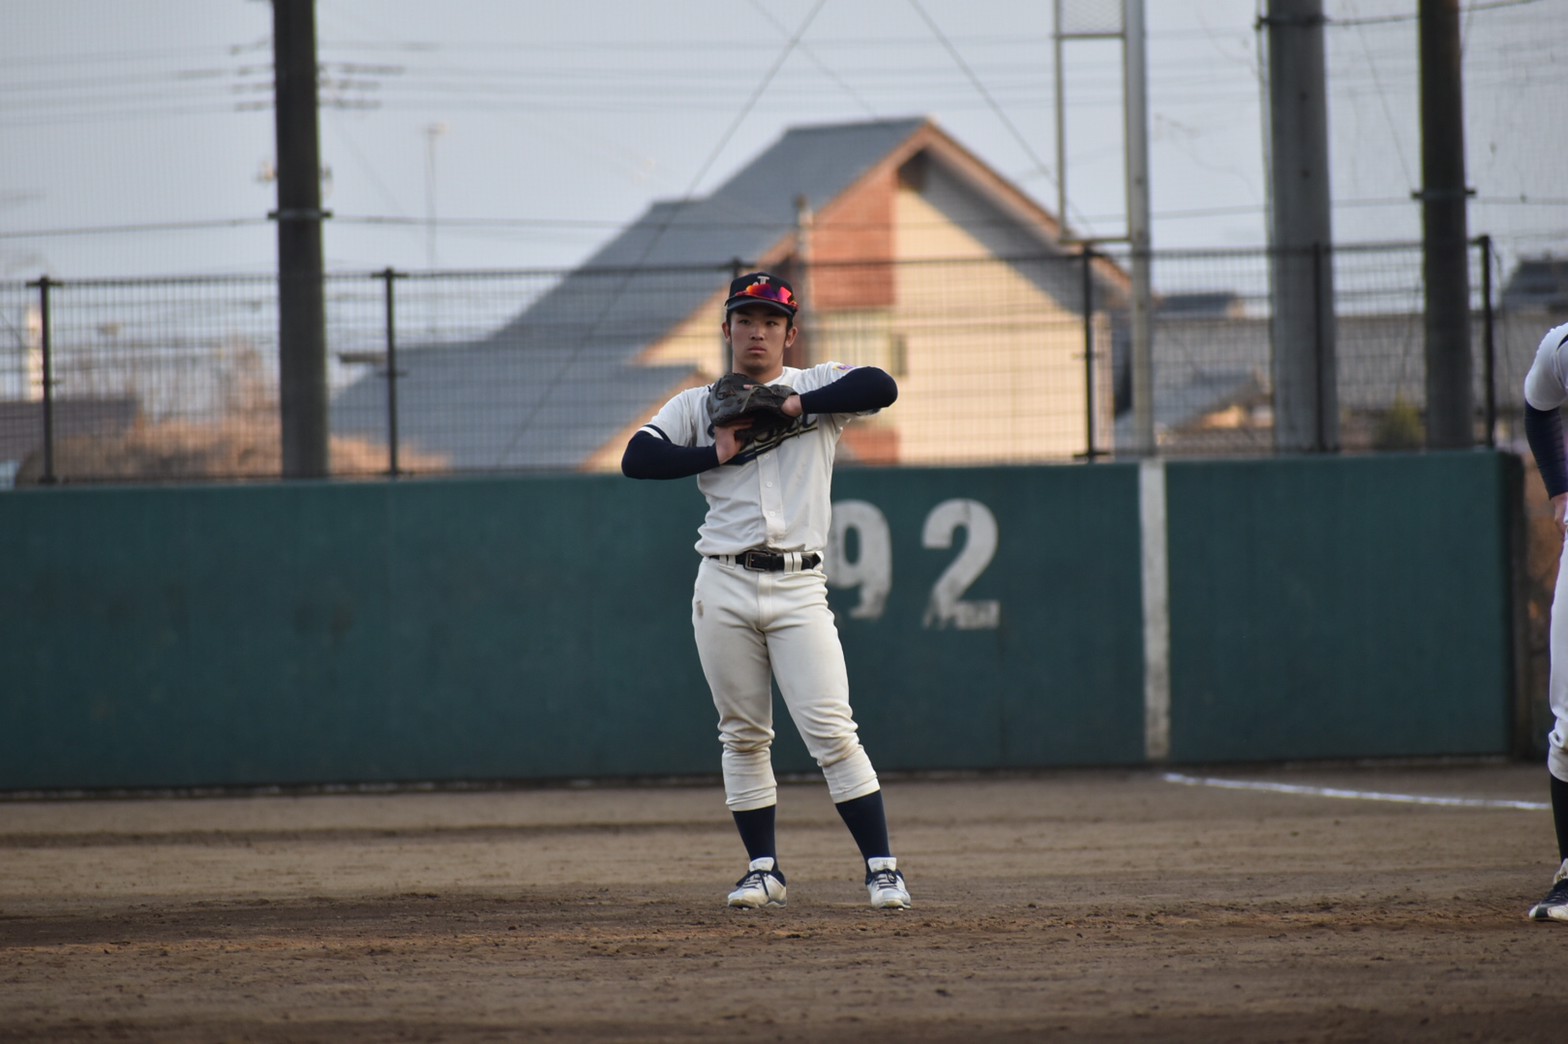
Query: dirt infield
(1082, 906)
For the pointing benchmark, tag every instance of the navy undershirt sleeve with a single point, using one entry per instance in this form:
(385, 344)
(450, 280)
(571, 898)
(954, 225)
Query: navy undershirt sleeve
(863, 388)
(1544, 431)
(649, 457)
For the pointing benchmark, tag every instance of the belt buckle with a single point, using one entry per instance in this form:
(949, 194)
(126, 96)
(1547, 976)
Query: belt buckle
(757, 561)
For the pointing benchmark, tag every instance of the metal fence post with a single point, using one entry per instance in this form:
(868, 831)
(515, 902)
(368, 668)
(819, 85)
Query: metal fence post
(48, 478)
(389, 276)
(1090, 452)
(1489, 347)
(1320, 402)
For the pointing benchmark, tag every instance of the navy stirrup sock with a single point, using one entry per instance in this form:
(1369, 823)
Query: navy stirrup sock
(1560, 815)
(867, 822)
(756, 832)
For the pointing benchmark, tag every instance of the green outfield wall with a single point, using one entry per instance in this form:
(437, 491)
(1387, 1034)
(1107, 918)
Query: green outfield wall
(1325, 608)
(539, 629)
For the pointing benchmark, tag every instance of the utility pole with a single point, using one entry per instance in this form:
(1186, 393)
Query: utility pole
(1139, 234)
(1306, 394)
(1445, 251)
(302, 325)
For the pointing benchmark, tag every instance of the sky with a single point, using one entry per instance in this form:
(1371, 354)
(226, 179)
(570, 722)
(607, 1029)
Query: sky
(523, 134)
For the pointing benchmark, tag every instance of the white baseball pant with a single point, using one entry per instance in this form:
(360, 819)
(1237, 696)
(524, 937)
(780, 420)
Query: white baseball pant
(752, 627)
(1557, 689)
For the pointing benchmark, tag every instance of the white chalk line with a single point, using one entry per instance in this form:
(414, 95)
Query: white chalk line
(1352, 795)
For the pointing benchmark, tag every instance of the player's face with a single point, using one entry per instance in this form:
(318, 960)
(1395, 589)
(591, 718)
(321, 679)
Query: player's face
(757, 336)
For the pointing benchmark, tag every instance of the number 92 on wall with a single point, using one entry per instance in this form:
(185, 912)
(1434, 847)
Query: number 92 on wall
(870, 568)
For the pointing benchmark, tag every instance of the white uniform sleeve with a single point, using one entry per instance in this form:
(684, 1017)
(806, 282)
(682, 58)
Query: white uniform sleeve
(1546, 385)
(683, 420)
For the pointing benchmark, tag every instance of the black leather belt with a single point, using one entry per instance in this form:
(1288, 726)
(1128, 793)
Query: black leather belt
(765, 561)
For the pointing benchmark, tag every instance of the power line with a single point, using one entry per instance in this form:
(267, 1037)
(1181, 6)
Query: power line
(115, 230)
(670, 212)
(1489, 5)
(590, 225)
(979, 86)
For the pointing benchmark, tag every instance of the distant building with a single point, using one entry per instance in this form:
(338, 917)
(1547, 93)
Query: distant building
(1537, 285)
(1216, 304)
(909, 253)
(101, 419)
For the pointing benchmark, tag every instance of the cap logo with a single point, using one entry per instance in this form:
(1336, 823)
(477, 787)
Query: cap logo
(762, 288)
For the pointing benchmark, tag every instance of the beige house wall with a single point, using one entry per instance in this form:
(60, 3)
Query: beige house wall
(995, 368)
(991, 368)
(697, 343)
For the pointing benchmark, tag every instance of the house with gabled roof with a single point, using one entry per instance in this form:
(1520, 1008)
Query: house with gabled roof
(908, 252)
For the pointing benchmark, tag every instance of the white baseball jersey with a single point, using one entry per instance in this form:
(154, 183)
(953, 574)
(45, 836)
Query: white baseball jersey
(1546, 388)
(780, 497)
(1546, 385)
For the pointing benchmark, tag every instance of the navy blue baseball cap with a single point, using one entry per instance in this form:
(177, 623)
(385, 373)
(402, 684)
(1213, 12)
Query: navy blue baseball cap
(762, 288)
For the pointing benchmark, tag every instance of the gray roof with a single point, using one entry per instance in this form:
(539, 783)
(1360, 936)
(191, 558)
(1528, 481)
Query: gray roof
(1539, 284)
(555, 383)
(1202, 365)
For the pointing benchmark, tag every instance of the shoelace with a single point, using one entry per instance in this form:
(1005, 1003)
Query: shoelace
(886, 879)
(755, 879)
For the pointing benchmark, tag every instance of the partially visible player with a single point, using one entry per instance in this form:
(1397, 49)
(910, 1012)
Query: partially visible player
(760, 604)
(1546, 389)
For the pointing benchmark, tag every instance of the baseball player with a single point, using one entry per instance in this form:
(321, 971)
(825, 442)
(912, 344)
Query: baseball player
(1545, 389)
(760, 606)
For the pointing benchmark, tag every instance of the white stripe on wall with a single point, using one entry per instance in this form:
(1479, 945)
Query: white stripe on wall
(1156, 612)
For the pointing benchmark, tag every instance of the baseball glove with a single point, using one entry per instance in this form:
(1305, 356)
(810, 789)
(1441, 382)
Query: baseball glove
(735, 396)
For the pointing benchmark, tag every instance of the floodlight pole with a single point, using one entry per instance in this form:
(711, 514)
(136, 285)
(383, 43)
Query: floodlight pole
(1138, 222)
(1129, 28)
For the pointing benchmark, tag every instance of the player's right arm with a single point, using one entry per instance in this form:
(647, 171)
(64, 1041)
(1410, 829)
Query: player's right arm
(672, 445)
(648, 456)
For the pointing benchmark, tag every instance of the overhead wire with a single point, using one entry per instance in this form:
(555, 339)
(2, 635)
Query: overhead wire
(203, 83)
(1481, 5)
(1382, 94)
(980, 87)
(668, 218)
(130, 229)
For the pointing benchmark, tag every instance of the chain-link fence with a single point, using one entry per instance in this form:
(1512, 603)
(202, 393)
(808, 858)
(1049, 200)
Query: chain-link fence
(1014, 360)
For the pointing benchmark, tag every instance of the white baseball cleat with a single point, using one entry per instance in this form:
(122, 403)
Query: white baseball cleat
(886, 884)
(1555, 906)
(763, 885)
